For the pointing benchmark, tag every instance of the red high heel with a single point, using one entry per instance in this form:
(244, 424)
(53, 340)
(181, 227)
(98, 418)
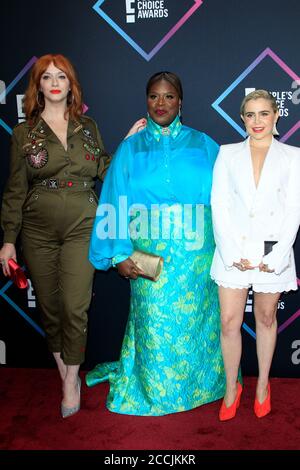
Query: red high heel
(264, 408)
(229, 412)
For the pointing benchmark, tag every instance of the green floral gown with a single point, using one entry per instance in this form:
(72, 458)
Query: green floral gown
(171, 357)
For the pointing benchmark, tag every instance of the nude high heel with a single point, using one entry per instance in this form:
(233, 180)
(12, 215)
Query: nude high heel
(65, 411)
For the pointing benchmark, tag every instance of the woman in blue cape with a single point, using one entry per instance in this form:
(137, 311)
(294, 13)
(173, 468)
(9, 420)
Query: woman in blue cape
(156, 199)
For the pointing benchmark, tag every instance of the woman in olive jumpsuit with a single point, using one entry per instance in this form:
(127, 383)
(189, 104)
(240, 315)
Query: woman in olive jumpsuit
(56, 155)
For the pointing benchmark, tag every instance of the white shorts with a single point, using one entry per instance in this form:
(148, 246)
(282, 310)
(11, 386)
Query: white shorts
(265, 288)
(259, 281)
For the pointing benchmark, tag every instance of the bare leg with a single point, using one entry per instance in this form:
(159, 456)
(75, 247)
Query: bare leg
(265, 309)
(62, 368)
(70, 387)
(232, 302)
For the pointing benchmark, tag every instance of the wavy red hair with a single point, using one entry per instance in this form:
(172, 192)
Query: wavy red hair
(34, 104)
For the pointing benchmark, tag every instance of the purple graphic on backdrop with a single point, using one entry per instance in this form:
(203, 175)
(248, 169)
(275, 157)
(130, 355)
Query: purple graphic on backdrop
(266, 53)
(281, 328)
(290, 132)
(12, 85)
(130, 19)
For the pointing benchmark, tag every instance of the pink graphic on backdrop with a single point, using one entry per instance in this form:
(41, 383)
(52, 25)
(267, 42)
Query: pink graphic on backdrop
(268, 52)
(291, 319)
(147, 55)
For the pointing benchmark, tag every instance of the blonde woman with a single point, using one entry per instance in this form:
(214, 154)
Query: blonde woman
(256, 213)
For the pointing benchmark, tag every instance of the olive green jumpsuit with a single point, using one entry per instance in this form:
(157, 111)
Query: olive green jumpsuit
(49, 199)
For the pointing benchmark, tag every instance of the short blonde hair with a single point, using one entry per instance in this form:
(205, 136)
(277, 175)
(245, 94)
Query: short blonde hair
(255, 95)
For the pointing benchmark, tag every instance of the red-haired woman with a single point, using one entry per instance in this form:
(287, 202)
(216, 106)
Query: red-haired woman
(56, 155)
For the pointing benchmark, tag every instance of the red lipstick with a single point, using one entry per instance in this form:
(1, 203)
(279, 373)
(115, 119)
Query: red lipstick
(55, 92)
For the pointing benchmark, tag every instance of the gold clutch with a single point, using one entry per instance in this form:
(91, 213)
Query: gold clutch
(150, 264)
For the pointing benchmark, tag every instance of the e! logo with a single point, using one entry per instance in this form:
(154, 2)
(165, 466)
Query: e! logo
(31, 295)
(21, 115)
(2, 92)
(2, 352)
(130, 12)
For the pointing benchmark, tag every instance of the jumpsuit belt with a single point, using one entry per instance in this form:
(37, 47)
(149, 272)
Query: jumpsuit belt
(76, 184)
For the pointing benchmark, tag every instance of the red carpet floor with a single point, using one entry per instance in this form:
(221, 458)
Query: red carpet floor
(30, 420)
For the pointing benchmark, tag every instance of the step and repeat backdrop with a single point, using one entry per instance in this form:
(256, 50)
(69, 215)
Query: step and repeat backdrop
(221, 50)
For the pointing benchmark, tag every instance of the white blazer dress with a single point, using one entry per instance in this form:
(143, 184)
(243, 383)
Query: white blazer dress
(244, 216)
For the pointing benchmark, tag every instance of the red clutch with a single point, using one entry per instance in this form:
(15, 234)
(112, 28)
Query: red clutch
(17, 275)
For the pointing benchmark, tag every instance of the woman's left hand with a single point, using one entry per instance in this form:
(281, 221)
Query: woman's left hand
(128, 269)
(243, 265)
(137, 127)
(264, 268)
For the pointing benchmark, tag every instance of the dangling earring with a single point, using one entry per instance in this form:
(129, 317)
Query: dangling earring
(275, 131)
(242, 119)
(179, 112)
(148, 115)
(39, 94)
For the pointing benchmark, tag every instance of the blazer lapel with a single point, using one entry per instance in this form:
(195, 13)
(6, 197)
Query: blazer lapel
(249, 167)
(269, 168)
(244, 174)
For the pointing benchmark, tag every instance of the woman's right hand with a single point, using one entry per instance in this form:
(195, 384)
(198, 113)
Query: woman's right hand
(7, 251)
(128, 269)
